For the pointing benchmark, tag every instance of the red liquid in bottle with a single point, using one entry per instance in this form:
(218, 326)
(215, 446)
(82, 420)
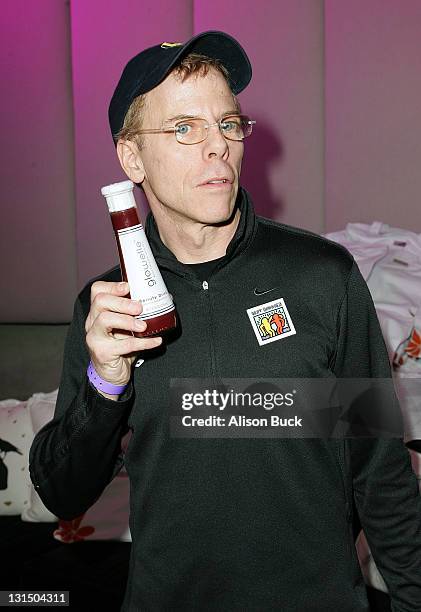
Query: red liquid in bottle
(160, 324)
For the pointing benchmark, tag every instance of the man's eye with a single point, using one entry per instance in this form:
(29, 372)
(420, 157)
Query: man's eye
(183, 128)
(229, 126)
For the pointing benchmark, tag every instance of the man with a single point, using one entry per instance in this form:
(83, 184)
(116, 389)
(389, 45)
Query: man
(219, 523)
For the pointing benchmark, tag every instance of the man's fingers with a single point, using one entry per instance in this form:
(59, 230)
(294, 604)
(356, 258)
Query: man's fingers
(108, 350)
(112, 288)
(107, 321)
(107, 301)
(133, 345)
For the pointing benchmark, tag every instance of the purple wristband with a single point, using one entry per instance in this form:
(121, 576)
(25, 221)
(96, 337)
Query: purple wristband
(101, 384)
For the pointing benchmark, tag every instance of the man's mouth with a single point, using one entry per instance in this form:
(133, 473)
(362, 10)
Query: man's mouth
(216, 181)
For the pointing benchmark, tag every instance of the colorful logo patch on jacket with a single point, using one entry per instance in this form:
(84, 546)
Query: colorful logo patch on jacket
(271, 321)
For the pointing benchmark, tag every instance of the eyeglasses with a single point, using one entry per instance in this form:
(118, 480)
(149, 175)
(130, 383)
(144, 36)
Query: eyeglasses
(193, 131)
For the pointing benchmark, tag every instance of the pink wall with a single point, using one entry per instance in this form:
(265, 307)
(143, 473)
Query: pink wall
(37, 174)
(373, 109)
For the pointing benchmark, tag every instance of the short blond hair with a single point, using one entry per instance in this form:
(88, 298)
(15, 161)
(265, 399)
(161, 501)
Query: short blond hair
(193, 63)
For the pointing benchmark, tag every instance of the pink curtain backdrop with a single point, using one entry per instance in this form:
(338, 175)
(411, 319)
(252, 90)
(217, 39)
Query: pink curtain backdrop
(38, 242)
(373, 108)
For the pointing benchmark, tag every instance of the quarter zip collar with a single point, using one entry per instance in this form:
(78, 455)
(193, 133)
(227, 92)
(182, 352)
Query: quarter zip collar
(243, 236)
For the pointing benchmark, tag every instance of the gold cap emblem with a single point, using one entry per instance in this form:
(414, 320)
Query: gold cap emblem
(167, 45)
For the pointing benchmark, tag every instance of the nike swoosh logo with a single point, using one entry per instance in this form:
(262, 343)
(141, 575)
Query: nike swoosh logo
(257, 292)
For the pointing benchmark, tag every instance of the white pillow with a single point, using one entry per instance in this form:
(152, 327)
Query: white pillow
(41, 410)
(15, 441)
(107, 519)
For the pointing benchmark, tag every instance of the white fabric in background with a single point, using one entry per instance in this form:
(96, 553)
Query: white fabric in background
(369, 244)
(41, 410)
(397, 322)
(15, 441)
(396, 279)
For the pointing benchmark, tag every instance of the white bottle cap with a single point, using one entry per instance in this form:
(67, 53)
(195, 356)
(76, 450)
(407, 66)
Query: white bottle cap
(119, 196)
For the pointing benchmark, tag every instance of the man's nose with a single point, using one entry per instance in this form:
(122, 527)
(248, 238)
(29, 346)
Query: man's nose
(215, 143)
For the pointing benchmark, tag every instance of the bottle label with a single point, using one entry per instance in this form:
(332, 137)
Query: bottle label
(143, 275)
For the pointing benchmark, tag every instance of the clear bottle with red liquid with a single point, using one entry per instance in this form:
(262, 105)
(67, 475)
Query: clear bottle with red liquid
(138, 265)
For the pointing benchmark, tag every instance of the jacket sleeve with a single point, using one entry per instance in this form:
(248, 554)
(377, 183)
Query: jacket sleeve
(74, 456)
(384, 486)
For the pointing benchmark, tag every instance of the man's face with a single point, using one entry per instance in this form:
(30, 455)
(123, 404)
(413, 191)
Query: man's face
(176, 174)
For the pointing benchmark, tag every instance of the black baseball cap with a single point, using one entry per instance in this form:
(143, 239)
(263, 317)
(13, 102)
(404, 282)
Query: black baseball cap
(149, 67)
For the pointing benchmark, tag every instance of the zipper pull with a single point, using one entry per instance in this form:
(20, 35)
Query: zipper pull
(205, 285)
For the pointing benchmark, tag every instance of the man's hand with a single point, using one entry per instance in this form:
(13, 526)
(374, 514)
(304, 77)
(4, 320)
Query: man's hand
(109, 326)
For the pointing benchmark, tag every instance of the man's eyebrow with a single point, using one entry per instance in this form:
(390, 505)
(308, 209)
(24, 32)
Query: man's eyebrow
(178, 117)
(235, 111)
(184, 116)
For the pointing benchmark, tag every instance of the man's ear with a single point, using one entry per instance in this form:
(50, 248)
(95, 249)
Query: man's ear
(129, 157)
